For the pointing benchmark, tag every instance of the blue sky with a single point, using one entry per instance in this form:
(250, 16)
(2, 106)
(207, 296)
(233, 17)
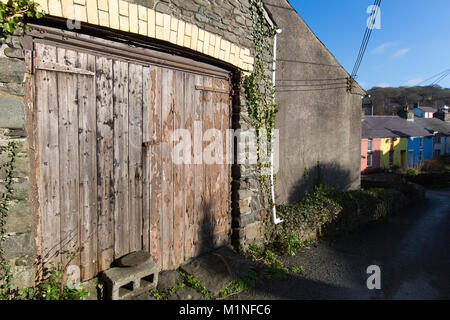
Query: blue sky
(412, 45)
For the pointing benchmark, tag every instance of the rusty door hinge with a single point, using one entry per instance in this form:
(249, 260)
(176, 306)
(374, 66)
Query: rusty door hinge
(201, 88)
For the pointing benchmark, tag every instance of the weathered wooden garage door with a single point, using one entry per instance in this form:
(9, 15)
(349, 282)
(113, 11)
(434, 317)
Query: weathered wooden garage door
(107, 183)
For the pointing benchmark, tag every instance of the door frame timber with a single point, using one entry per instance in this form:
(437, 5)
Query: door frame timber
(122, 51)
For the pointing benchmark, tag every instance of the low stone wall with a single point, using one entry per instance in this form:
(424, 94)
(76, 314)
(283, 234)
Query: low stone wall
(19, 244)
(352, 220)
(333, 217)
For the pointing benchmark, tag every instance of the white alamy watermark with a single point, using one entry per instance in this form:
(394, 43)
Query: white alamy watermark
(374, 280)
(374, 20)
(214, 146)
(74, 20)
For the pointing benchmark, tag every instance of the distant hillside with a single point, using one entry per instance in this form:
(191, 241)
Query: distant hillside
(388, 101)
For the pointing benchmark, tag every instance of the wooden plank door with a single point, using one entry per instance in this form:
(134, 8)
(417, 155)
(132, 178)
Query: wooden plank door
(107, 183)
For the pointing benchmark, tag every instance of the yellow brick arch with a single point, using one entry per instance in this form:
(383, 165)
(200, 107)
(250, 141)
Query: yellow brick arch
(134, 18)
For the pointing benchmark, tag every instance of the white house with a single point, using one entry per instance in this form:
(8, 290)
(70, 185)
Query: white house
(424, 112)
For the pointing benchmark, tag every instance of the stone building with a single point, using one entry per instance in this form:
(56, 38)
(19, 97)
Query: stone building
(80, 88)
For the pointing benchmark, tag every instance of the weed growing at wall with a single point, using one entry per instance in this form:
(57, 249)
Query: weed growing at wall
(245, 282)
(195, 284)
(259, 89)
(12, 16)
(53, 288)
(6, 276)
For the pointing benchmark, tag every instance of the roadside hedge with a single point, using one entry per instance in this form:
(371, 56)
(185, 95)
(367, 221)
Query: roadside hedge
(328, 212)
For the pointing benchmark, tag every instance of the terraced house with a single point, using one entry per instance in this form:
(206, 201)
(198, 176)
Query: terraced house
(93, 92)
(391, 141)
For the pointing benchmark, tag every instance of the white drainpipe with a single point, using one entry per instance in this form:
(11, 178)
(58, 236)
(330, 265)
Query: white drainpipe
(274, 66)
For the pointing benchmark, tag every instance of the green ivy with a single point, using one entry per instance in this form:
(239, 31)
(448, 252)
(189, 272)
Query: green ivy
(259, 89)
(12, 16)
(6, 276)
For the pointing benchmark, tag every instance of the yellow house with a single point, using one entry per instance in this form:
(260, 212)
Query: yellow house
(393, 152)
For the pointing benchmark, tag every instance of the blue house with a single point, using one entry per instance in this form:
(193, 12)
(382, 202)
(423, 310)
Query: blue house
(424, 112)
(419, 148)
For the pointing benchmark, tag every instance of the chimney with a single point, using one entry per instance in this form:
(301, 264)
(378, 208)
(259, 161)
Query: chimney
(407, 114)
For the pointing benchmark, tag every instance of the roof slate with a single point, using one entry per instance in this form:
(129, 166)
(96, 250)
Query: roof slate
(428, 109)
(434, 125)
(391, 127)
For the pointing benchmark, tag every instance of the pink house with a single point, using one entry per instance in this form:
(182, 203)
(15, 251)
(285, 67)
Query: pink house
(370, 153)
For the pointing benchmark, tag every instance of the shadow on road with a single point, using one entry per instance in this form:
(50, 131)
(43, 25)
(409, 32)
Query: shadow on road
(411, 248)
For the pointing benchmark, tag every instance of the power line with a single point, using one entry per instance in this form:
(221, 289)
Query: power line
(445, 75)
(310, 85)
(306, 80)
(436, 75)
(365, 41)
(317, 89)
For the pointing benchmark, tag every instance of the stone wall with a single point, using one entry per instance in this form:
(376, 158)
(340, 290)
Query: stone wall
(215, 28)
(230, 19)
(19, 244)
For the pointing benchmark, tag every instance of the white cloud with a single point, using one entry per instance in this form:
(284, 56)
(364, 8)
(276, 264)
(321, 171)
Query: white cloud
(413, 82)
(384, 85)
(401, 52)
(382, 48)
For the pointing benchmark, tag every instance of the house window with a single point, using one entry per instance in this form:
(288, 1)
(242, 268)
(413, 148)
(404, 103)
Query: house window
(369, 160)
(420, 155)
(421, 142)
(370, 146)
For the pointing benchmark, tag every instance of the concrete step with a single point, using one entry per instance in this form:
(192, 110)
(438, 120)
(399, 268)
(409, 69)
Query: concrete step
(126, 283)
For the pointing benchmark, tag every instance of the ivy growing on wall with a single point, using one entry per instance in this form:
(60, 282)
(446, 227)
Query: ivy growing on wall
(260, 90)
(12, 16)
(6, 276)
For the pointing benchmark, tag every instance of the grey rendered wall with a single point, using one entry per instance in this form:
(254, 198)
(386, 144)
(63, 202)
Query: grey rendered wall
(315, 125)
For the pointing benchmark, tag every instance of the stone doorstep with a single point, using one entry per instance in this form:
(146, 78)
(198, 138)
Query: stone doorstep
(126, 283)
(215, 270)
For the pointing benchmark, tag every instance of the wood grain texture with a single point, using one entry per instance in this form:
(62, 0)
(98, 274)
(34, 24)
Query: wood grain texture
(178, 170)
(210, 201)
(48, 137)
(87, 123)
(156, 220)
(68, 158)
(189, 173)
(135, 145)
(146, 160)
(167, 168)
(105, 161)
(121, 160)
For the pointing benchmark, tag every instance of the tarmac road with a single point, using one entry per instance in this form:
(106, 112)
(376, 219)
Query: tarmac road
(412, 249)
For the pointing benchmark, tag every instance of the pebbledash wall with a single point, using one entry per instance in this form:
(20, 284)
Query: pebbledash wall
(215, 28)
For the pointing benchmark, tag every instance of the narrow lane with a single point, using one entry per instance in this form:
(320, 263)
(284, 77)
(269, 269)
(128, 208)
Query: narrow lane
(412, 248)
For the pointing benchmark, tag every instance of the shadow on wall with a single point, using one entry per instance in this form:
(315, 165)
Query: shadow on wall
(329, 174)
(376, 162)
